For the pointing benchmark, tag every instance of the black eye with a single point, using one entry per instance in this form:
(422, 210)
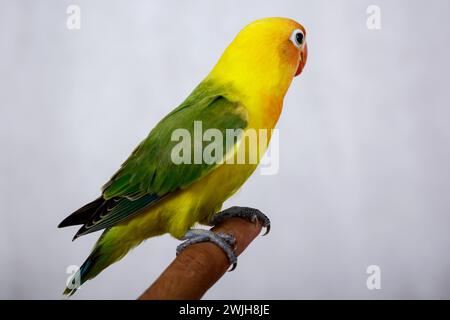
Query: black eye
(297, 38)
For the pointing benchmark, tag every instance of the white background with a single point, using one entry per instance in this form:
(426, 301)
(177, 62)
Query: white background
(364, 135)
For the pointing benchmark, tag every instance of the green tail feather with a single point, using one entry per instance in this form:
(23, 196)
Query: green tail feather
(106, 251)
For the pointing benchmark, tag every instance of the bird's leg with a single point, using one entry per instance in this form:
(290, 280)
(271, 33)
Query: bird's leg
(224, 241)
(250, 214)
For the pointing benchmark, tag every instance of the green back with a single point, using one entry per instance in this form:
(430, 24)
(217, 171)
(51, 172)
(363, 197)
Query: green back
(149, 174)
(150, 169)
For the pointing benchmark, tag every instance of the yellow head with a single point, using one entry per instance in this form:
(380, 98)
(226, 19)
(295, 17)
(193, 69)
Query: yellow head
(264, 57)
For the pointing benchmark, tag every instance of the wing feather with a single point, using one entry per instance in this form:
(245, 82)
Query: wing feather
(149, 174)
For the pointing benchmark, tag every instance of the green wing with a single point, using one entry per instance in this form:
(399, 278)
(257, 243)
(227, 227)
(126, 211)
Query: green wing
(150, 168)
(149, 173)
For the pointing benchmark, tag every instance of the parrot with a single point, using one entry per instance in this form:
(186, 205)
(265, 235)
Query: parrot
(150, 195)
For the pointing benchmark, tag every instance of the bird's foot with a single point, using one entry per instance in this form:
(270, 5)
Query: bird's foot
(250, 214)
(224, 241)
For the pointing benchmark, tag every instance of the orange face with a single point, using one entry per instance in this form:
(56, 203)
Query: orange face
(298, 44)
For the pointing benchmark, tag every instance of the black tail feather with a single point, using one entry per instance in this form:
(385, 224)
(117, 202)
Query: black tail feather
(82, 215)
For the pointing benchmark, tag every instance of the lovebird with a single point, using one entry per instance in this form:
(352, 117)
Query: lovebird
(154, 193)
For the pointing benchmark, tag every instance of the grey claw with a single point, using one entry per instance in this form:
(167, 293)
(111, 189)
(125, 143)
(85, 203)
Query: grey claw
(222, 240)
(233, 266)
(250, 214)
(267, 230)
(229, 238)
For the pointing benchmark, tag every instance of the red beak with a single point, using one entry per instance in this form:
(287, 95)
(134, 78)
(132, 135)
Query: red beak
(303, 57)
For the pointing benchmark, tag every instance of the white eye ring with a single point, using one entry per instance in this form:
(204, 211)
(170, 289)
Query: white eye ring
(297, 38)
